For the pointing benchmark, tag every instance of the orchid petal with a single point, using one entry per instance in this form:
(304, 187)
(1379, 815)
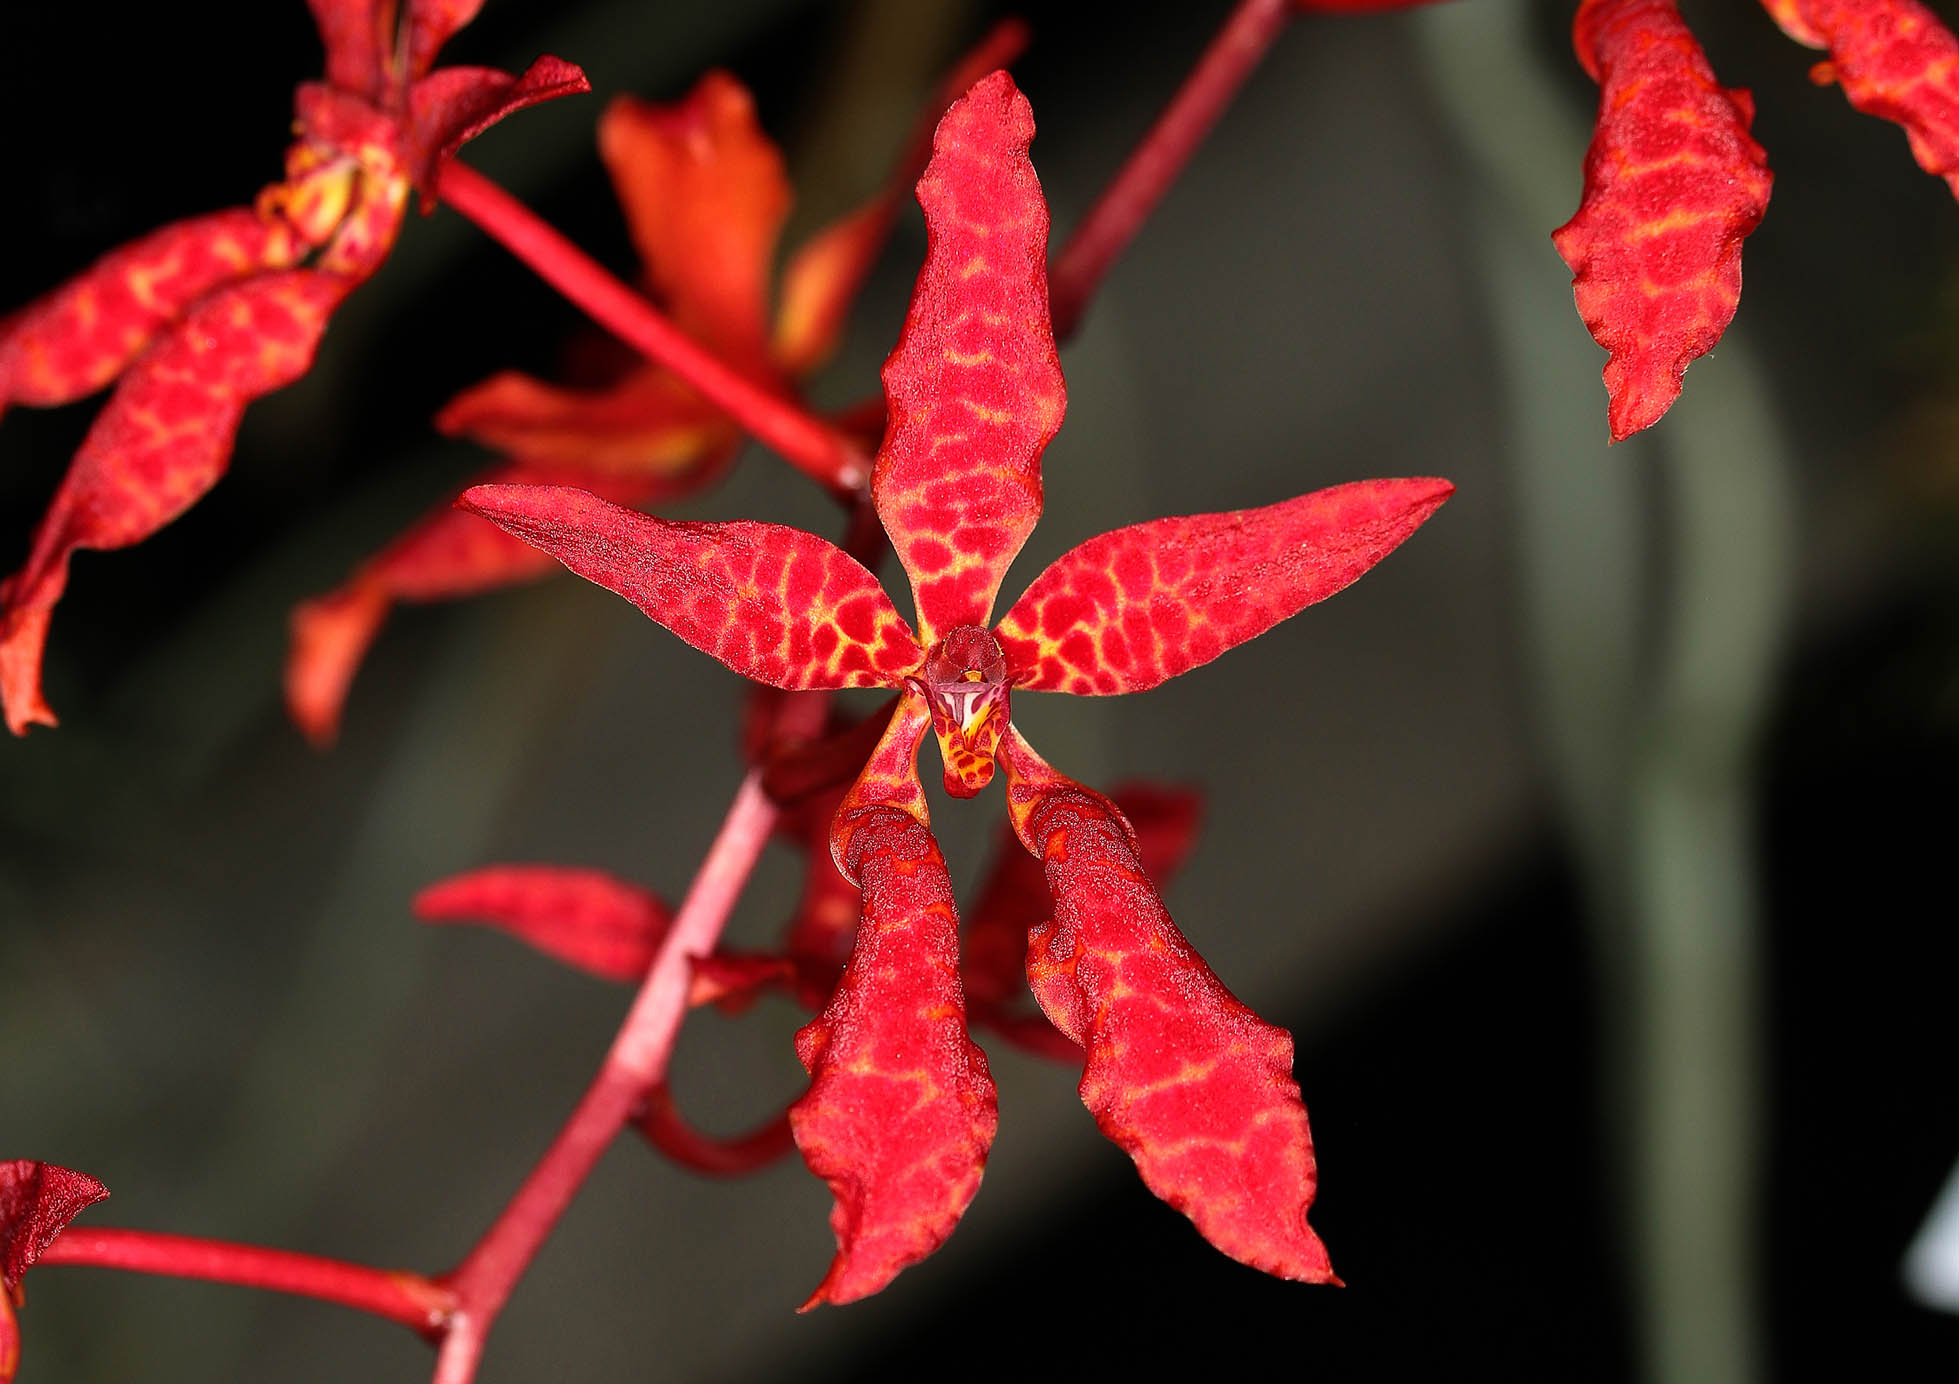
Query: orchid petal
(453, 105)
(161, 441)
(1192, 1085)
(773, 603)
(37, 1200)
(901, 1109)
(973, 391)
(1673, 183)
(1895, 60)
(590, 920)
(1134, 607)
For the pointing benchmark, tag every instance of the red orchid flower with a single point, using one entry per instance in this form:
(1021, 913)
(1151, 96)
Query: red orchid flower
(37, 1200)
(705, 197)
(1674, 182)
(901, 1110)
(199, 318)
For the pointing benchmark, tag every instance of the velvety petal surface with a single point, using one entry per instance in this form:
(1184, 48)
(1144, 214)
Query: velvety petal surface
(592, 921)
(162, 440)
(1673, 182)
(901, 1110)
(37, 1200)
(453, 105)
(1134, 607)
(76, 339)
(1895, 60)
(773, 603)
(973, 392)
(1192, 1085)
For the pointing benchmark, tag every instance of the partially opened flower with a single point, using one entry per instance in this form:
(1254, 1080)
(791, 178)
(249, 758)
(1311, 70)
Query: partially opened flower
(900, 1111)
(705, 197)
(37, 1200)
(199, 318)
(1674, 182)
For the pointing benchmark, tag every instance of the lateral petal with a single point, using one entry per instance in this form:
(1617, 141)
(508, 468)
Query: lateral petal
(1192, 1085)
(773, 603)
(37, 1200)
(162, 440)
(973, 392)
(901, 1109)
(1673, 183)
(453, 105)
(74, 340)
(1136, 606)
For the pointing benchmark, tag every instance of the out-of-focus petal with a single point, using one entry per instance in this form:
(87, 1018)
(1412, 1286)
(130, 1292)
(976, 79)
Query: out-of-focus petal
(359, 38)
(1192, 1085)
(1673, 183)
(647, 422)
(773, 603)
(76, 339)
(973, 391)
(901, 1109)
(445, 555)
(1894, 60)
(1134, 607)
(705, 197)
(161, 441)
(432, 23)
(590, 920)
(453, 105)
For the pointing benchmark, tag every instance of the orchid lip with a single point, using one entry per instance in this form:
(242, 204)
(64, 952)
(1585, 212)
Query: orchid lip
(964, 681)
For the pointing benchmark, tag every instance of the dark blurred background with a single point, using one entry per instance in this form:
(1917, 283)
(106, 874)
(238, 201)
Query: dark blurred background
(1595, 846)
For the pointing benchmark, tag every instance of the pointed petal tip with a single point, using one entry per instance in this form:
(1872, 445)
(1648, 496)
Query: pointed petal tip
(328, 637)
(23, 635)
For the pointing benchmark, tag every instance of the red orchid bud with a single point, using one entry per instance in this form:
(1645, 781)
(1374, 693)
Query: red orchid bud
(1894, 60)
(1673, 183)
(1134, 607)
(900, 1111)
(587, 919)
(1191, 1084)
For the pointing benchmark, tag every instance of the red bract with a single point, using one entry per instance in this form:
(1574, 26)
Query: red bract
(973, 393)
(1673, 183)
(1894, 60)
(204, 316)
(705, 197)
(37, 1200)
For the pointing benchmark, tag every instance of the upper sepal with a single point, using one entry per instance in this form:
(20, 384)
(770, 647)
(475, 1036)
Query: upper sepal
(901, 1109)
(773, 603)
(1134, 607)
(590, 920)
(973, 392)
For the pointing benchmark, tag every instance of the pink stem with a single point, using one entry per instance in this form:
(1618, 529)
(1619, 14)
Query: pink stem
(399, 1296)
(1113, 221)
(805, 441)
(634, 1066)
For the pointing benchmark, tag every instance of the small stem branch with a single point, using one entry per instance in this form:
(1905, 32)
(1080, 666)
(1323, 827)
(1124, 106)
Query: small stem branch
(1126, 203)
(634, 1066)
(805, 441)
(408, 1298)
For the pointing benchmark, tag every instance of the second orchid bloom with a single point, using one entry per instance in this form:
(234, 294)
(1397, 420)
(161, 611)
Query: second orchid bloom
(901, 1110)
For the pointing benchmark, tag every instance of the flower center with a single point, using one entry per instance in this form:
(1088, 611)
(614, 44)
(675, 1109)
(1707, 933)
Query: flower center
(964, 680)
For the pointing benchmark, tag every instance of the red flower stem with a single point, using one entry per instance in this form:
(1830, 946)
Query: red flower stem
(669, 1132)
(408, 1298)
(634, 1067)
(805, 441)
(1126, 203)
